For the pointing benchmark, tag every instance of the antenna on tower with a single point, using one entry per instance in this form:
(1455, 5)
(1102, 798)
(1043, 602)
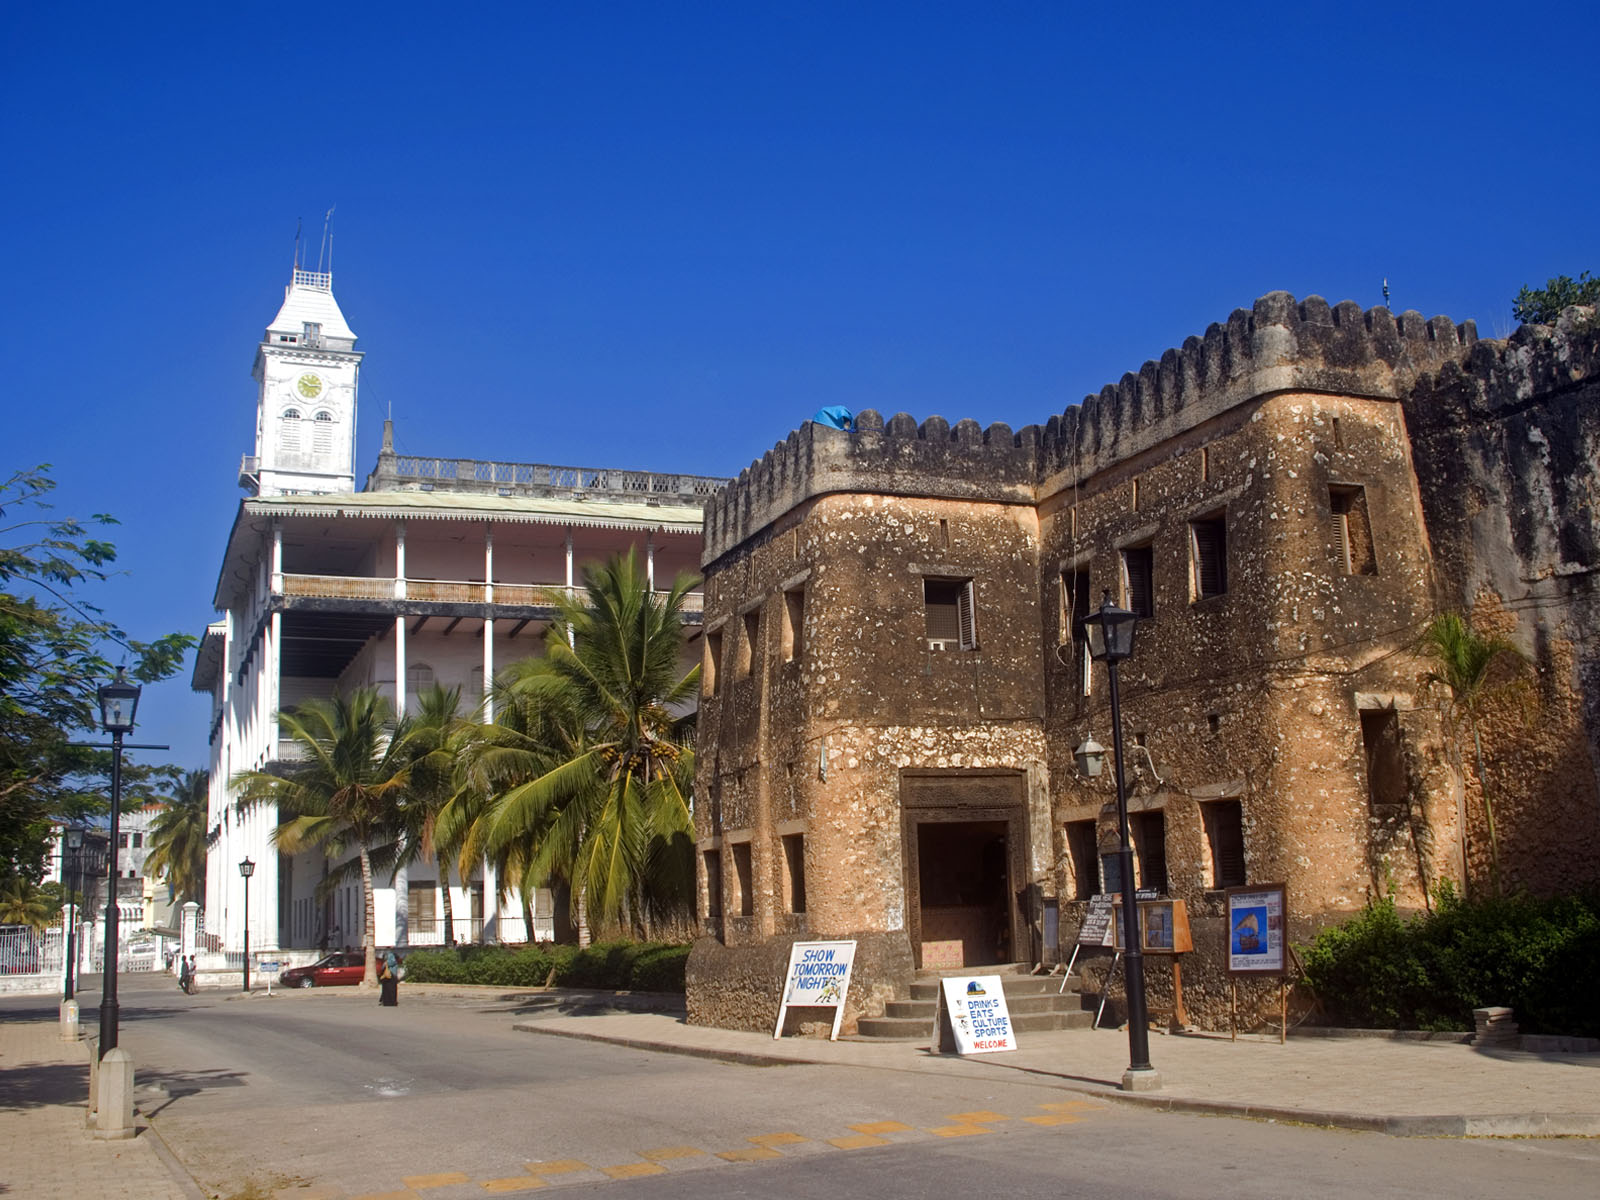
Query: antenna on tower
(327, 235)
(298, 222)
(1386, 291)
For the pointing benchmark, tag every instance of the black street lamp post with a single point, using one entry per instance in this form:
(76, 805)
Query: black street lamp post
(247, 869)
(119, 700)
(72, 843)
(1110, 634)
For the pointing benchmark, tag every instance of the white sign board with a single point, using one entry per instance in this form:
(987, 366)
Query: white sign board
(818, 977)
(978, 1017)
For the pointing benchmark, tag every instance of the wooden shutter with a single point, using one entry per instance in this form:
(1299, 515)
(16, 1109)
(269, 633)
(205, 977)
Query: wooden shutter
(1141, 596)
(966, 616)
(1210, 558)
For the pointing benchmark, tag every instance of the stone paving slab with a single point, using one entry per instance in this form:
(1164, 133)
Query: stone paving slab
(46, 1148)
(1416, 1088)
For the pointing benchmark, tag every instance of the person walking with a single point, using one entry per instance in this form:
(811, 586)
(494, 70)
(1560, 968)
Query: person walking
(389, 979)
(186, 975)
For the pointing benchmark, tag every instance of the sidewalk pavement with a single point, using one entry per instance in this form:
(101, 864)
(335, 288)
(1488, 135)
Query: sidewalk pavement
(46, 1150)
(1401, 1086)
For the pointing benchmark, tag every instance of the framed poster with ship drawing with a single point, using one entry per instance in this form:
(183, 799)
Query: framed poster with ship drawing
(1258, 926)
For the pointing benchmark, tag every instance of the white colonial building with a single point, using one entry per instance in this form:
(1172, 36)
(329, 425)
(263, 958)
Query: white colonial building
(436, 571)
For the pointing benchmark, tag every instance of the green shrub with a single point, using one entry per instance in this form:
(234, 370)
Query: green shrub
(613, 966)
(1430, 972)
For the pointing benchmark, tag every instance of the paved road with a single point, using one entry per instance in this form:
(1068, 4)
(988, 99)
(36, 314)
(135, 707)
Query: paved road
(441, 1099)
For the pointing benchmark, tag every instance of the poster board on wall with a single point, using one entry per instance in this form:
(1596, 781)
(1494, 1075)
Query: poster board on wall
(1258, 924)
(1163, 926)
(1096, 927)
(818, 977)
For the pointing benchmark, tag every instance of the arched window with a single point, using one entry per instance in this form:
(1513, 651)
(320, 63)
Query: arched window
(418, 677)
(322, 437)
(289, 431)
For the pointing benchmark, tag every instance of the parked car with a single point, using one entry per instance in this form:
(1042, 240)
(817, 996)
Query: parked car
(344, 966)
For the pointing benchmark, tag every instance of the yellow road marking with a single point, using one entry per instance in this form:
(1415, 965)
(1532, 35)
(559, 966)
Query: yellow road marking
(668, 1153)
(770, 1140)
(418, 1183)
(982, 1117)
(858, 1141)
(1053, 1119)
(754, 1154)
(560, 1166)
(882, 1127)
(959, 1130)
(633, 1170)
(517, 1183)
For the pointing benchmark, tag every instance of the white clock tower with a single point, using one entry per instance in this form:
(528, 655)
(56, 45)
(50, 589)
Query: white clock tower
(306, 371)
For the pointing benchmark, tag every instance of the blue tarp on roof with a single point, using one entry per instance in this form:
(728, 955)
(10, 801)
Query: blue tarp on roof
(835, 417)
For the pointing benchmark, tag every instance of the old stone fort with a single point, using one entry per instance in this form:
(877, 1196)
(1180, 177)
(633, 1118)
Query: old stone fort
(895, 675)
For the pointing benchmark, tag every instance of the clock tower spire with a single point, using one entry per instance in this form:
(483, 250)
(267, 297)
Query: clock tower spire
(305, 372)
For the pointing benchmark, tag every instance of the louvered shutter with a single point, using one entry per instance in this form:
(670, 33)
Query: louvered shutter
(966, 617)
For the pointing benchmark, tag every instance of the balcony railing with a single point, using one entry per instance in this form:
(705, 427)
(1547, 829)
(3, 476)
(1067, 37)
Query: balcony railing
(443, 591)
(509, 478)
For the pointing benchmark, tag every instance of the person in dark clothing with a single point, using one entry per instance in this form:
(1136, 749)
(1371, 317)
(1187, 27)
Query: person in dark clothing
(389, 979)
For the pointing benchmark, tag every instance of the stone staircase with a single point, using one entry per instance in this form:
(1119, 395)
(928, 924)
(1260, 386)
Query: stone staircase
(1034, 1002)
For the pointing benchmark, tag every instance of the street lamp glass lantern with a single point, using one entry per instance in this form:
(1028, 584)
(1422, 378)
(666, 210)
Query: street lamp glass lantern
(74, 838)
(1110, 632)
(1091, 758)
(119, 700)
(247, 868)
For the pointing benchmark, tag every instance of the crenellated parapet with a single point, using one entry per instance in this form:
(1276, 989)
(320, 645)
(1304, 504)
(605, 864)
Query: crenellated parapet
(1278, 345)
(897, 457)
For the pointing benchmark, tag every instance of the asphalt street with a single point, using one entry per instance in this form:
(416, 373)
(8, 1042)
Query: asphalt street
(440, 1098)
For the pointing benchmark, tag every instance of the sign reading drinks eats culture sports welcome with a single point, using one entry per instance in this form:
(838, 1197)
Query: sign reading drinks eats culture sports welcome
(818, 977)
(975, 1016)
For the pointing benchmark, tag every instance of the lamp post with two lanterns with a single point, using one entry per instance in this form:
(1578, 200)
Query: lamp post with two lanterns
(1110, 635)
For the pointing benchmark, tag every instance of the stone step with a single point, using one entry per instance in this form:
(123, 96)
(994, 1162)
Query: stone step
(1019, 985)
(920, 1029)
(926, 1010)
(1016, 968)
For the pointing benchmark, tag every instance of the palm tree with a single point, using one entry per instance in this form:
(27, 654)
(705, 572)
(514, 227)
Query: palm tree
(604, 763)
(429, 743)
(23, 902)
(1473, 668)
(179, 837)
(344, 792)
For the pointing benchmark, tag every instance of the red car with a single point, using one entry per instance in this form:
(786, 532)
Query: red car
(346, 966)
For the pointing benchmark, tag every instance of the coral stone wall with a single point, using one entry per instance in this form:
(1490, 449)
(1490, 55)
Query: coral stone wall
(1507, 454)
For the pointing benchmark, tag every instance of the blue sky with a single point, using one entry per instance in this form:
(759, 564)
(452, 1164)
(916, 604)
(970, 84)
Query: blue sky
(662, 235)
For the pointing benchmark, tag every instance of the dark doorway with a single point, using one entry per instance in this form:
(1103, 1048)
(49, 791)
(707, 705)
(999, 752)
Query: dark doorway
(964, 886)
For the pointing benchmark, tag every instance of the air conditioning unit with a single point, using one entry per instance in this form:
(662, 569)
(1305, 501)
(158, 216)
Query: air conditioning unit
(944, 644)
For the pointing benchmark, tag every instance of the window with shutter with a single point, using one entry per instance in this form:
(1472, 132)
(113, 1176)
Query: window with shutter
(1074, 608)
(950, 610)
(1138, 587)
(1352, 531)
(1224, 825)
(1085, 864)
(322, 437)
(289, 432)
(1208, 540)
(1149, 836)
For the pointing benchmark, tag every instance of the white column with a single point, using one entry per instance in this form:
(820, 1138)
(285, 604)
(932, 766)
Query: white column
(399, 560)
(276, 584)
(569, 559)
(400, 621)
(400, 666)
(491, 899)
(650, 560)
(488, 622)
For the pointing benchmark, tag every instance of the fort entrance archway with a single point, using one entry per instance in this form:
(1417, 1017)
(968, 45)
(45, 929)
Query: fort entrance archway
(965, 842)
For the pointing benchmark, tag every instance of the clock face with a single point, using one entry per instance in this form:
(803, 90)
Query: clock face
(309, 386)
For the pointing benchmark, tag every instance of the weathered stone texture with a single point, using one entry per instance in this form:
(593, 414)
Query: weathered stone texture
(1356, 470)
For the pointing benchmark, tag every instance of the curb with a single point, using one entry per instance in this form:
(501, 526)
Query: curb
(1457, 1125)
